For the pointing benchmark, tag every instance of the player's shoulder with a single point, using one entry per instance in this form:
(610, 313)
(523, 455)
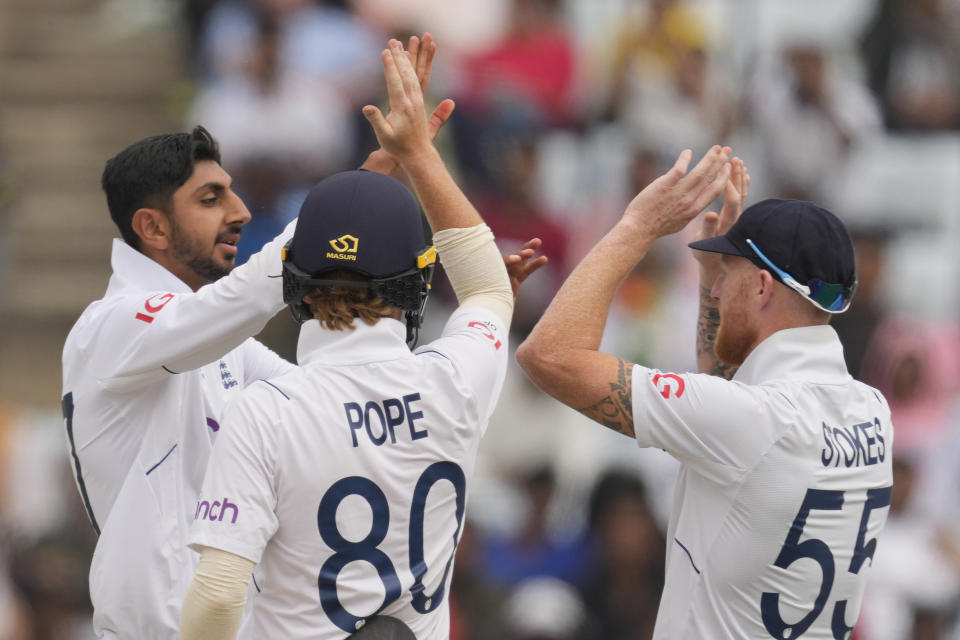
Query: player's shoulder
(469, 327)
(94, 332)
(265, 399)
(872, 393)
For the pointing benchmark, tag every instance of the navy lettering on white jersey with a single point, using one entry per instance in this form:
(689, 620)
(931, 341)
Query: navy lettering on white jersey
(380, 420)
(860, 445)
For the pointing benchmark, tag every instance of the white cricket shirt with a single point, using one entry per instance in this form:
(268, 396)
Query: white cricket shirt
(346, 478)
(146, 373)
(783, 490)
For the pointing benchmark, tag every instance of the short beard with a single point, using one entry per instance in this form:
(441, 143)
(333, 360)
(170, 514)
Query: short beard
(188, 251)
(736, 337)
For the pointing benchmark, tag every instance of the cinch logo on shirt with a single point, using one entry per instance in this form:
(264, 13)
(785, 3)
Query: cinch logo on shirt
(343, 247)
(215, 510)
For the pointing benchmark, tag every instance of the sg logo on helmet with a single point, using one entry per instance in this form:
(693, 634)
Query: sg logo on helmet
(344, 248)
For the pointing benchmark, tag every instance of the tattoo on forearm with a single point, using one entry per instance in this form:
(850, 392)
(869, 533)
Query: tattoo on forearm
(707, 326)
(615, 411)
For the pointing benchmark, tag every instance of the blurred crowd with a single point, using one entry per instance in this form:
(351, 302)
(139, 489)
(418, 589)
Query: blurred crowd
(565, 109)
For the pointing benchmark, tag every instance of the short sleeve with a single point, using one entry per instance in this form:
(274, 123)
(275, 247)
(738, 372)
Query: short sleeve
(236, 511)
(262, 363)
(718, 427)
(475, 339)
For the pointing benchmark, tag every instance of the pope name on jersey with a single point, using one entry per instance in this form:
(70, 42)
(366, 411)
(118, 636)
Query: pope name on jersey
(346, 479)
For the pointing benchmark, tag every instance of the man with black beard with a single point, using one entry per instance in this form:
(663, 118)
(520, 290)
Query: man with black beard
(148, 368)
(785, 476)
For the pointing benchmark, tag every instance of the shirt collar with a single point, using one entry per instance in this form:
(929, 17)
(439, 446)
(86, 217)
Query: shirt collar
(385, 340)
(803, 353)
(133, 270)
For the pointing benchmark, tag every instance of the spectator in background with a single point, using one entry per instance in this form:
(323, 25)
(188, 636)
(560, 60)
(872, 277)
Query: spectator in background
(534, 551)
(915, 578)
(317, 40)
(544, 609)
(687, 108)
(916, 365)
(912, 54)
(622, 593)
(649, 45)
(15, 620)
(815, 108)
(514, 214)
(283, 131)
(475, 601)
(521, 86)
(529, 76)
(857, 326)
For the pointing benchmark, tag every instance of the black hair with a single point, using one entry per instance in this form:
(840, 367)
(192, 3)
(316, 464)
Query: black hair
(613, 485)
(147, 173)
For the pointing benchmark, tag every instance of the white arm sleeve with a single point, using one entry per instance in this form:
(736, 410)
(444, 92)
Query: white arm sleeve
(214, 602)
(475, 267)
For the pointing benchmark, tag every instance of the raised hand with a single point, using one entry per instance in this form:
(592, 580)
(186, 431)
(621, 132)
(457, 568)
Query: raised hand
(420, 53)
(675, 198)
(734, 197)
(405, 130)
(522, 263)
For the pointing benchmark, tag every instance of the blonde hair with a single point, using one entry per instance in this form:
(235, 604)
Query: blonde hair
(337, 307)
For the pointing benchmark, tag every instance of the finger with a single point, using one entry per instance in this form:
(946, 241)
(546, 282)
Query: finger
(375, 117)
(736, 173)
(413, 49)
(528, 268)
(713, 190)
(424, 59)
(708, 229)
(533, 243)
(679, 168)
(440, 116)
(392, 75)
(706, 170)
(520, 256)
(411, 85)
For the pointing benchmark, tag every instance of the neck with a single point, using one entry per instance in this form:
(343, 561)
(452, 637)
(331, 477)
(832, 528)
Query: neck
(180, 270)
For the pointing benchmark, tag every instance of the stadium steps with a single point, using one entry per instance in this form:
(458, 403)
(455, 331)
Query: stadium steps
(79, 79)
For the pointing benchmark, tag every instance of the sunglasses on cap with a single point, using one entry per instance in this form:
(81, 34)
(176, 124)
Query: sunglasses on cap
(832, 298)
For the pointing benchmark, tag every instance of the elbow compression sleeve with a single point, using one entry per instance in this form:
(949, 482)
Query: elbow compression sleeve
(214, 602)
(475, 267)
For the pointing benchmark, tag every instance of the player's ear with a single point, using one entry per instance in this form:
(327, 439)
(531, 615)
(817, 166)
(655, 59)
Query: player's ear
(765, 288)
(153, 227)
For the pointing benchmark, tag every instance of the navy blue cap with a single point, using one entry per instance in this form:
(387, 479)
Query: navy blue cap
(358, 221)
(804, 240)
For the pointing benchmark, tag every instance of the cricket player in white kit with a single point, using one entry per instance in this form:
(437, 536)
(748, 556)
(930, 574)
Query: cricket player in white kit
(785, 472)
(148, 368)
(345, 482)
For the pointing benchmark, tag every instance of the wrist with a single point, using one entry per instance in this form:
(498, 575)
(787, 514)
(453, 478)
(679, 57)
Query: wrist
(380, 161)
(635, 237)
(709, 274)
(419, 159)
